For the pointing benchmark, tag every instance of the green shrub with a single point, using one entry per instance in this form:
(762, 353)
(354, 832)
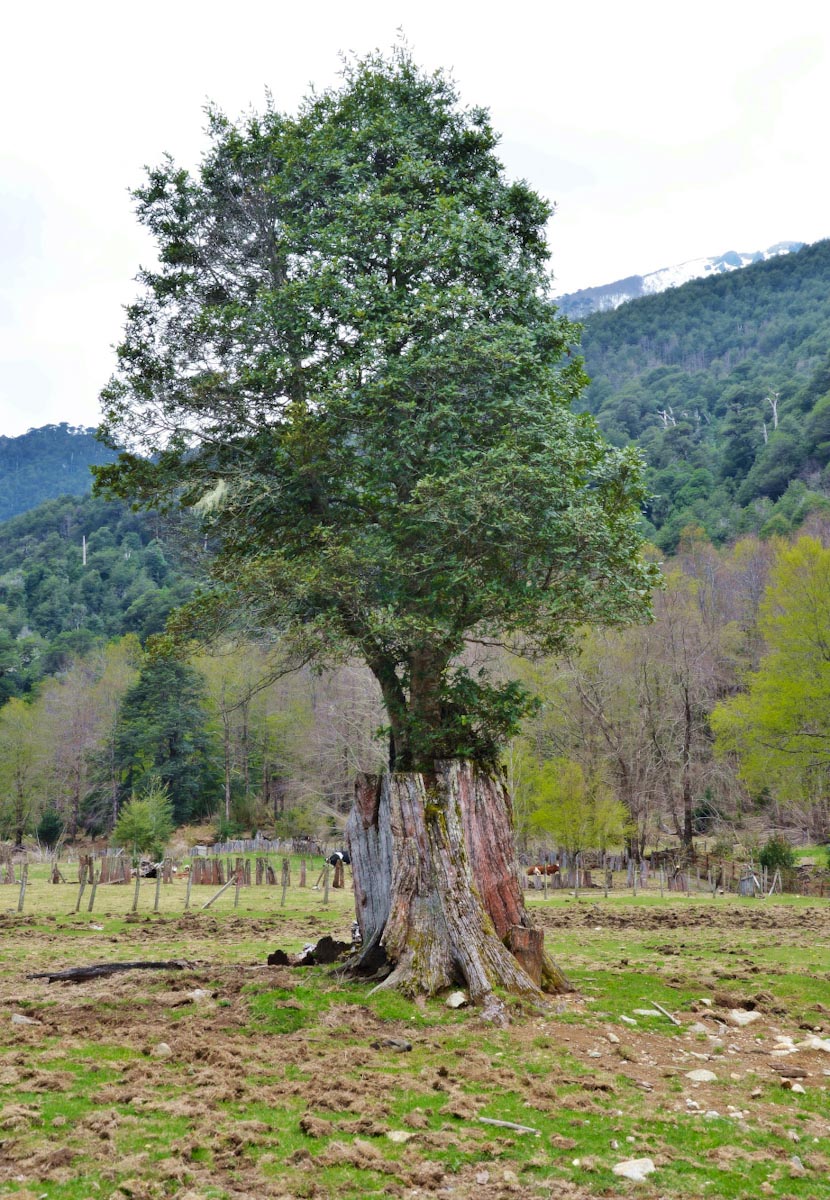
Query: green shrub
(50, 828)
(777, 852)
(145, 823)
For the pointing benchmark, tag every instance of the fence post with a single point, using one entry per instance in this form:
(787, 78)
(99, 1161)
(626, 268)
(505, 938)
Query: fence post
(137, 886)
(286, 879)
(23, 880)
(95, 879)
(326, 884)
(189, 886)
(302, 872)
(159, 868)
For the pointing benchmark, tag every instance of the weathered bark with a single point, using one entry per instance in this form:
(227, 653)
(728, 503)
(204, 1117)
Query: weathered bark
(487, 813)
(437, 889)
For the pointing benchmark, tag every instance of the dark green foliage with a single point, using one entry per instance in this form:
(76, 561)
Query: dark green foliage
(54, 609)
(777, 852)
(162, 738)
(50, 828)
(44, 463)
(689, 376)
(383, 445)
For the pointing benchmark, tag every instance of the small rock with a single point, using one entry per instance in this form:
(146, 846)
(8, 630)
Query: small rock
(628, 1020)
(697, 1027)
(198, 995)
(797, 1165)
(636, 1169)
(711, 1114)
(594, 1054)
(482, 1177)
(741, 1017)
(692, 1105)
(510, 1176)
(161, 1050)
(456, 1000)
(796, 1087)
(400, 1136)
(612, 1038)
(646, 1012)
(705, 1001)
(19, 1019)
(702, 1076)
(815, 1043)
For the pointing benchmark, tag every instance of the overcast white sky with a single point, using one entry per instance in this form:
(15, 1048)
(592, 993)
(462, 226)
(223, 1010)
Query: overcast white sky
(662, 133)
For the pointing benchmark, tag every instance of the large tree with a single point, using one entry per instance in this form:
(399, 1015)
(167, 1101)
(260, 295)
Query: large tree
(347, 360)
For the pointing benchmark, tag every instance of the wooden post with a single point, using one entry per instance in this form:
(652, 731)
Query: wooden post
(605, 874)
(326, 884)
(23, 879)
(286, 878)
(158, 887)
(302, 872)
(189, 886)
(137, 886)
(661, 882)
(222, 889)
(95, 879)
(239, 874)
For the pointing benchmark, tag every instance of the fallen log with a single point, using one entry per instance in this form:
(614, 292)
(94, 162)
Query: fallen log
(99, 970)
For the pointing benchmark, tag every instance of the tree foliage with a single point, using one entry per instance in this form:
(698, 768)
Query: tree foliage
(162, 739)
(145, 823)
(347, 361)
(780, 726)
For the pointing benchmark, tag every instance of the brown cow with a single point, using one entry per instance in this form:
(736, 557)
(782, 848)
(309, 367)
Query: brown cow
(543, 869)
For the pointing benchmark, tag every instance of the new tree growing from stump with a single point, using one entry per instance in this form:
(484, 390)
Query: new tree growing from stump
(346, 360)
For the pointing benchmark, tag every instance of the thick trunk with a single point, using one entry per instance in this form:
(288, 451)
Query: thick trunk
(437, 891)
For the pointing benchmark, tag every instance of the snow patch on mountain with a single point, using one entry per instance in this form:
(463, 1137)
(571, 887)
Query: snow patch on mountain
(612, 295)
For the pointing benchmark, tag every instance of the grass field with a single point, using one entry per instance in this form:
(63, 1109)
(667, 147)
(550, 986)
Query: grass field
(230, 1078)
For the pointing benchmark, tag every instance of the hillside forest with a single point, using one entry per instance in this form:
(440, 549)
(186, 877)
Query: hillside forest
(710, 720)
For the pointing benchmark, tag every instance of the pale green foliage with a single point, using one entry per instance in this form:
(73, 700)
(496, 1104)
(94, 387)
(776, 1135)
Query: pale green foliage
(579, 812)
(145, 823)
(779, 728)
(21, 762)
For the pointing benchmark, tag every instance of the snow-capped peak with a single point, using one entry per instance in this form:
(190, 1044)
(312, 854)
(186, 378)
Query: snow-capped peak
(612, 295)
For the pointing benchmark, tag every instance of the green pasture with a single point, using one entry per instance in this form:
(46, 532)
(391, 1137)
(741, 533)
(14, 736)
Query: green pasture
(305, 1093)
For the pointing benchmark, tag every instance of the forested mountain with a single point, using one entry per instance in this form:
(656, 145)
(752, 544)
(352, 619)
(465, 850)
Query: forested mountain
(45, 463)
(725, 385)
(77, 571)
